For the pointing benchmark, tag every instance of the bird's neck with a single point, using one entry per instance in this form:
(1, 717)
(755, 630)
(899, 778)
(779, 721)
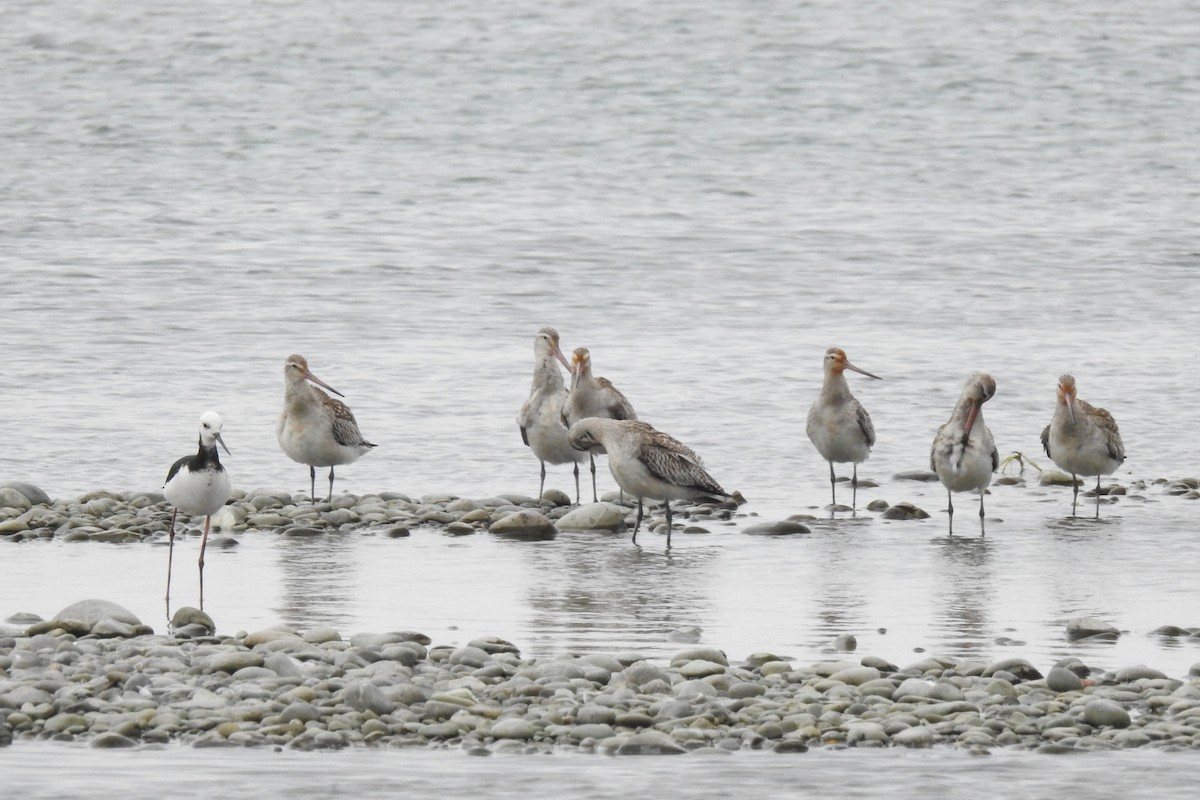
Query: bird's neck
(546, 375)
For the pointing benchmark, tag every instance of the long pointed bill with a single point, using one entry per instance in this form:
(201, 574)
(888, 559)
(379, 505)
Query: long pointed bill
(563, 359)
(309, 376)
(972, 413)
(862, 371)
(1071, 411)
(221, 441)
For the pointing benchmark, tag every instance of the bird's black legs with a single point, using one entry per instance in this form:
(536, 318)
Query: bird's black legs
(1074, 494)
(170, 558)
(982, 532)
(542, 485)
(638, 523)
(330, 498)
(832, 484)
(312, 482)
(667, 506)
(203, 544)
(592, 458)
(1097, 497)
(950, 508)
(576, 483)
(854, 495)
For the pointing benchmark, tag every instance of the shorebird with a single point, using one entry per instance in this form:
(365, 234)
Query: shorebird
(314, 428)
(1082, 439)
(540, 419)
(648, 463)
(964, 454)
(197, 485)
(592, 397)
(838, 425)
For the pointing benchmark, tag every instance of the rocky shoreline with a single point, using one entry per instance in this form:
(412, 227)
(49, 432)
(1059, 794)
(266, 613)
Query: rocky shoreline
(95, 674)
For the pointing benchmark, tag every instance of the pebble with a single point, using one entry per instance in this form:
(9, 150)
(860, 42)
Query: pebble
(317, 689)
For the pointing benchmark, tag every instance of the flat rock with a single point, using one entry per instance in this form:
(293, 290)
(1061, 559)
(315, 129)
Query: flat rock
(922, 475)
(1102, 712)
(1086, 627)
(783, 527)
(524, 524)
(513, 728)
(593, 517)
(33, 494)
(1054, 477)
(650, 743)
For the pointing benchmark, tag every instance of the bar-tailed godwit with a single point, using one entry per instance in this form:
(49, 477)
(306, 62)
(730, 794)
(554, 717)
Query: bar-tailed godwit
(964, 454)
(591, 396)
(314, 428)
(648, 463)
(197, 485)
(1082, 439)
(838, 425)
(540, 419)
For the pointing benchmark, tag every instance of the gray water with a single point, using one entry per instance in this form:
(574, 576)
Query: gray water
(707, 198)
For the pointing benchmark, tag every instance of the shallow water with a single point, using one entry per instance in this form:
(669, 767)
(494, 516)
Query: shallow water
(196, 773)
(705, 198)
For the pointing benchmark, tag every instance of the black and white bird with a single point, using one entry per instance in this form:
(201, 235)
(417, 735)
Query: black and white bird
(198, 486)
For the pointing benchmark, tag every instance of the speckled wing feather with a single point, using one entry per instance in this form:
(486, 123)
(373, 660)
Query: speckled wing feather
(345, 428)
(671, 461)
(1106, 423)
(864, 422)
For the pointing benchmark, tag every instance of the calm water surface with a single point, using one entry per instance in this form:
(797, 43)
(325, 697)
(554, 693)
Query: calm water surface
(706, 198)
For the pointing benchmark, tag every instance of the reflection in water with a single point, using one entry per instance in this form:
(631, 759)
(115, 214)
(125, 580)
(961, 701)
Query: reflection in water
(964, 585)
(319, 578)
(603, 589)
(834, 575)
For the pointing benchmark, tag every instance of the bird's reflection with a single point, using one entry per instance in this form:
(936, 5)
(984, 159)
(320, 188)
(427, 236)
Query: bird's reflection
(601, 589)
(834, 577)
(319, 578)
(966, 593)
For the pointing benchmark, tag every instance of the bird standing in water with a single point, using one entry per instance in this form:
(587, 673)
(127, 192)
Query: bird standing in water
(540, 418)
(964, 454)
(197, 485)
(648, 463)
(1082, 439)
(592, 397)
(314, 428)
(838, 425)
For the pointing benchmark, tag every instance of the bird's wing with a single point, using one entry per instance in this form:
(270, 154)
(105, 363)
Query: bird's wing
(344, 426)
(673, 462)
(524, 435)
(995, 458)
(864, 422)
(1112, 436)
(178, 465)
(1046, 441)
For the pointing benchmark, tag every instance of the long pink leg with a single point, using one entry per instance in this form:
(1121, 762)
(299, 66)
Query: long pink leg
(203, 544)
(170, 558)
